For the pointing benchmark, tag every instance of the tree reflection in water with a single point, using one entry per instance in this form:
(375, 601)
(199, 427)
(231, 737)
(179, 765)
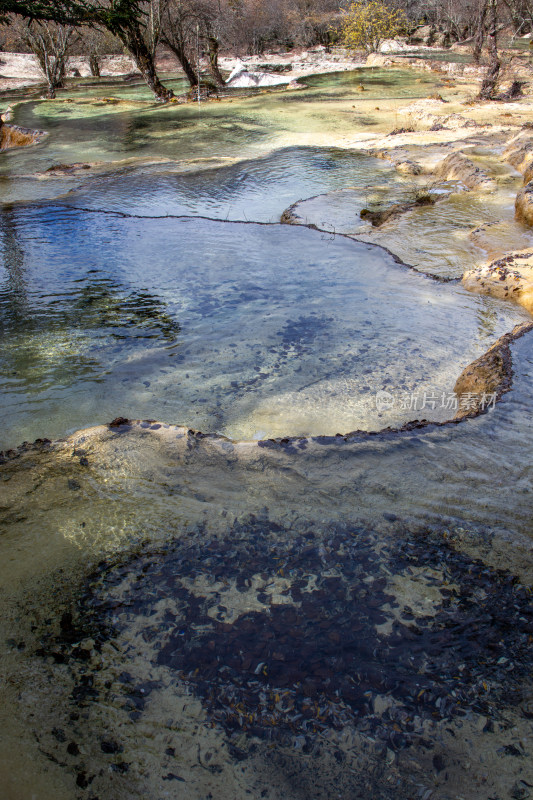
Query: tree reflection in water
(72, 334)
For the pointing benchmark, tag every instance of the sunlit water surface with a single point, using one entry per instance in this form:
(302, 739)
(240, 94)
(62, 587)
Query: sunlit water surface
(258, 190)
(247, 330)
(122, 125)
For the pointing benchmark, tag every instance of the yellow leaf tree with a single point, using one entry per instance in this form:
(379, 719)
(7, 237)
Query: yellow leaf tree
(368, 22)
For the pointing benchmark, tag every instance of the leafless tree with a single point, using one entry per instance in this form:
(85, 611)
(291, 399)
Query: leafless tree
(51, 44)
(521, 14)
(139, 33)
(178, 33)
(192, 28)
(94, 43)
(141, 38)
(490, 26)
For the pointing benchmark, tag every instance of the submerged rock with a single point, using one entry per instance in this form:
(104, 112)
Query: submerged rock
(66, 169)
(290, 216)
(508, 278)
(457, 167)
(380, 216)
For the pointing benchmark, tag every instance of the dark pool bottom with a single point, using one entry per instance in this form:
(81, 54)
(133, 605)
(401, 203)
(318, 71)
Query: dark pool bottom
(335, 632)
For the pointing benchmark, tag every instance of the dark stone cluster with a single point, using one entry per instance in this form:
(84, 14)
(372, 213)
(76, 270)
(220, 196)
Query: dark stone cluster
(321, 659)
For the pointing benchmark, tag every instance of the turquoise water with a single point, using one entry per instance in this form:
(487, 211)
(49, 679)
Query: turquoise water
(91, 129)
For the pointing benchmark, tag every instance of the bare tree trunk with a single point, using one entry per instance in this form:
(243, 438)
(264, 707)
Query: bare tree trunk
(133, 39)
(50, 44)
(94, 65)
(213, 61)
(179, 51)
(480, 34)
(490, 81)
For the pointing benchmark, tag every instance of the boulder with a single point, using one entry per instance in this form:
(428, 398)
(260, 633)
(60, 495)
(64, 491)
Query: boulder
(377, 60)
(508, 278)
(14, 136)
(408, 167)
(486, 379)
(481, 378)
(528, 174)
(392, 46)
(524, 204)
(457, 167)
(425, 34)
(442, 40)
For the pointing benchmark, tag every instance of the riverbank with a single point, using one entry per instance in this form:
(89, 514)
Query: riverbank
(18, 70)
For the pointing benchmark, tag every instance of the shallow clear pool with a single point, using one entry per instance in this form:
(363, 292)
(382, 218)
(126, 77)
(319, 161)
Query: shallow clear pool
(257, 190)
(248, 330)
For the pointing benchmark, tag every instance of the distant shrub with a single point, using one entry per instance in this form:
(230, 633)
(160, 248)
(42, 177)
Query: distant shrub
(368, 22)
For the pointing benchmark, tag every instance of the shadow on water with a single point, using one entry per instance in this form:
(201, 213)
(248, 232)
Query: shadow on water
(98, 128)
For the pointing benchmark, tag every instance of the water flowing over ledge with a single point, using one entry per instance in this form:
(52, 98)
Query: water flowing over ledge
(490, 375)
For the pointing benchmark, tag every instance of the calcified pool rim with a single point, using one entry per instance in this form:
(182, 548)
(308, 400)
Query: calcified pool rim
(498, 386)
(310, 226)
(501, 348)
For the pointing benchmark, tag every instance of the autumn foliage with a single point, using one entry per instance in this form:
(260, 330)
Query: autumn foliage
(368, 22)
